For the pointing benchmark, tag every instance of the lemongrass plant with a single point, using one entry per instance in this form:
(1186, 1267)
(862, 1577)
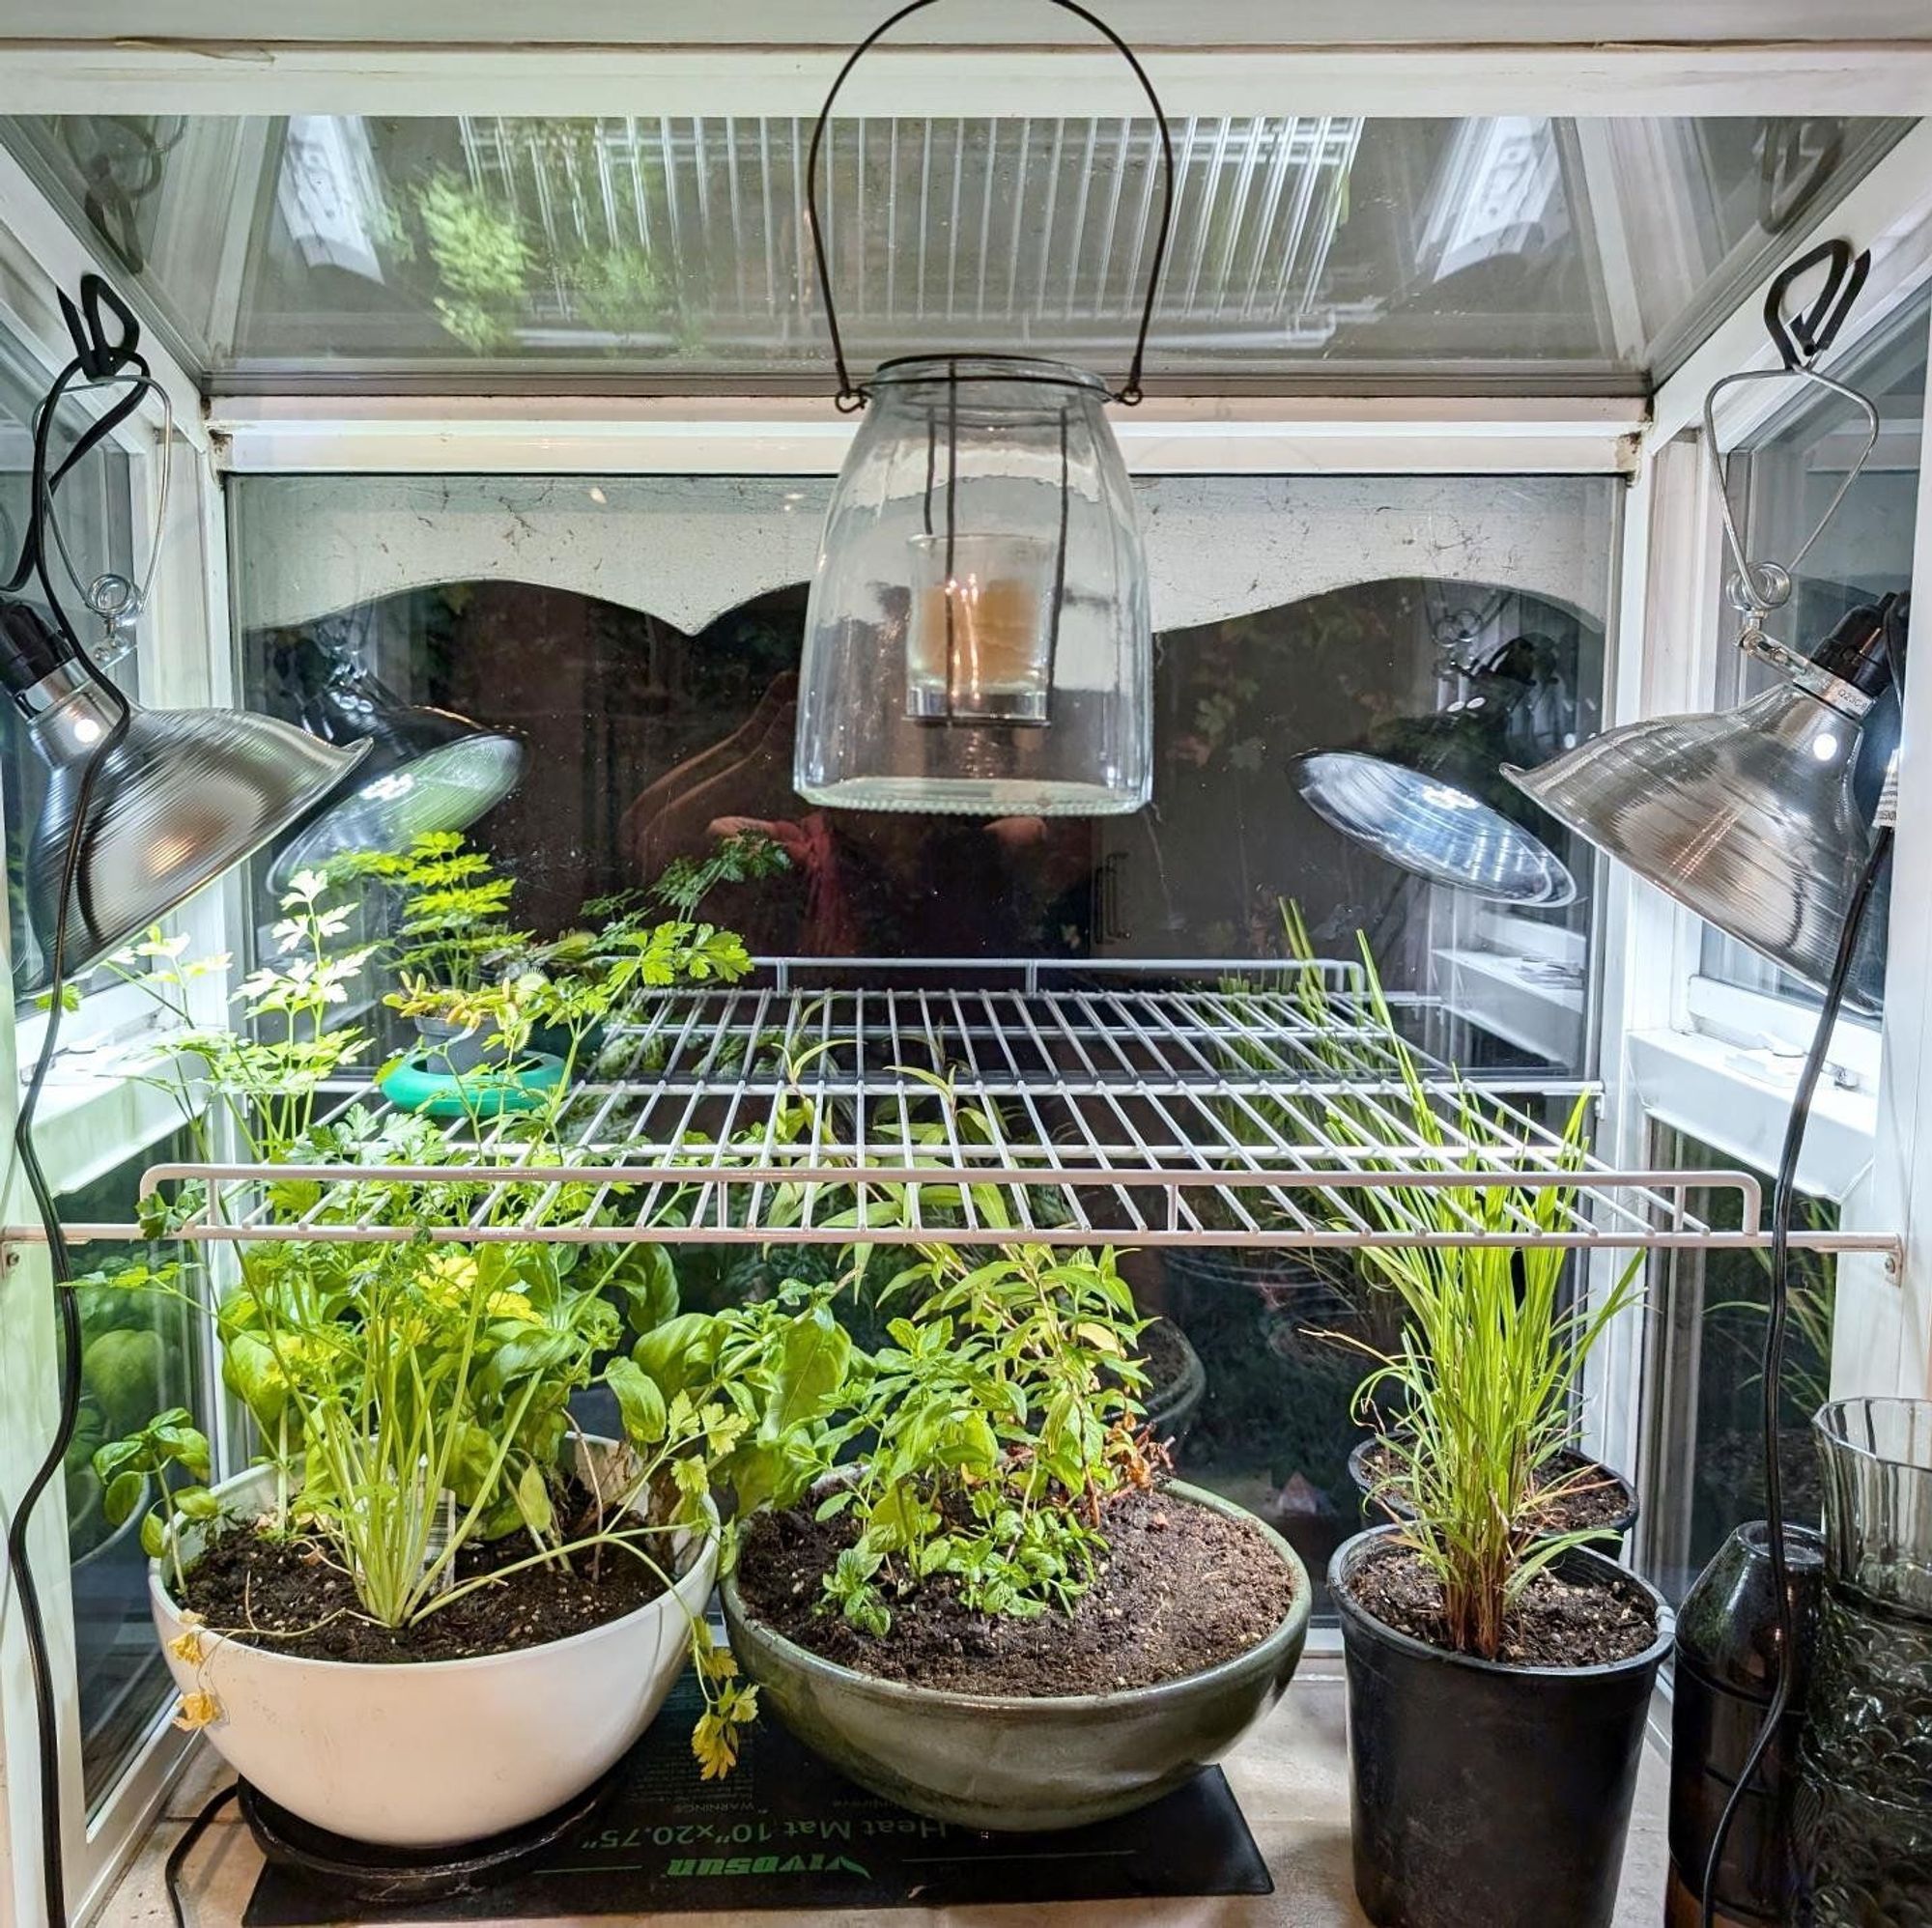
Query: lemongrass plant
(1492, 1352)
(1492, 1343)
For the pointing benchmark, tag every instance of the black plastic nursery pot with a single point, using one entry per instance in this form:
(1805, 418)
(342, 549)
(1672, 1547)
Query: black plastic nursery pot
(1376, 1512)
(1486, 1795)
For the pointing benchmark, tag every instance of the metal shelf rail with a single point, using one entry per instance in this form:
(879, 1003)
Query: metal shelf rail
(1070, 1105)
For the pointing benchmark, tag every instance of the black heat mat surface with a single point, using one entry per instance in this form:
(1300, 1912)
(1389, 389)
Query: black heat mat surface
(786, 1830)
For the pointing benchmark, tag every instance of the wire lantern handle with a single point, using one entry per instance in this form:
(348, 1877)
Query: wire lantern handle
(1756, 588)
(854, 395)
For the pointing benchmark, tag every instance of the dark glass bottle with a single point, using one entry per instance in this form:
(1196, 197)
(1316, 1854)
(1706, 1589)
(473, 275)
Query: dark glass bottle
(1726, 1667)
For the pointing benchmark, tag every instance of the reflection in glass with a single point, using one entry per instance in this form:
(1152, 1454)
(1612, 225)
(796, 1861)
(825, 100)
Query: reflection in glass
(650, 734)
(1708, 1312)
(1427, 792)
(1311, 247)
(140, 1356)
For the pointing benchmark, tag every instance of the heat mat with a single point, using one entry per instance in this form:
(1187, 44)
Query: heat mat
(785, 1830)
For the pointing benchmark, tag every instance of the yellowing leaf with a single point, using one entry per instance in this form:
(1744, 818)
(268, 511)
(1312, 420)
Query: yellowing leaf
(197, 1710)
(186, 1647)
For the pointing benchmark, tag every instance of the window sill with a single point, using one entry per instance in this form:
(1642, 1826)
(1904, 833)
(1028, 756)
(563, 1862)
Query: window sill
(1291, 1777)
(1515, 999)
(1738, 1099)
(94, 1115)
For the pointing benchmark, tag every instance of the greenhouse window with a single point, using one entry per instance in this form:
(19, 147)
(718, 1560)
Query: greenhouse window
(1309, 252)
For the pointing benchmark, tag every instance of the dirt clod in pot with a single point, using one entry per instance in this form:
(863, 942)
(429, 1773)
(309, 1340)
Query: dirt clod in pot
(1184, 1589)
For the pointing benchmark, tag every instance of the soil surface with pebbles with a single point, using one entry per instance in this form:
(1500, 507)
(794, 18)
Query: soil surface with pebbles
(1183, 1589)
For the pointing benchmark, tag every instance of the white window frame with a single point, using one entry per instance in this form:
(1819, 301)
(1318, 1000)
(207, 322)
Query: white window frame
(1659, 656)
(1714, 1060)
(93, 1119)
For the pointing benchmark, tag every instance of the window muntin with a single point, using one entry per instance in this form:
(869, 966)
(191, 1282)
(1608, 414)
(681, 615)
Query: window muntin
(1314, 251)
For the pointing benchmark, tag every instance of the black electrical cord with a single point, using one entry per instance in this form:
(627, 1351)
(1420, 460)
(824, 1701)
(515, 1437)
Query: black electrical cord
(1784, 1199)
(19, 1563)
(95, 362)
(177, 1855)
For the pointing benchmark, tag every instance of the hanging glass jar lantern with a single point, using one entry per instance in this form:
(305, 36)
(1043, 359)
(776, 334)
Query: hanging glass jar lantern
(977, 639)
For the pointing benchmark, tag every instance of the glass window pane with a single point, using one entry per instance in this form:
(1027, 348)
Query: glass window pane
(644, 634)
(1704, 1394)
(631, 627)
(1780, 486)
(141, 1354)
(1314, 251)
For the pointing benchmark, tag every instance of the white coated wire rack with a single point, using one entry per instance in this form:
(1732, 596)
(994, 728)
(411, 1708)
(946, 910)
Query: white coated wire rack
(969, 1104)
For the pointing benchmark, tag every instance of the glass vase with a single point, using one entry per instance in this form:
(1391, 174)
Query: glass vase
(1864, 1807)
(977, 639)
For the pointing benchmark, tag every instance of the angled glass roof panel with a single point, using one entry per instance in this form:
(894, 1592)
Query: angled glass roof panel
(637, 253)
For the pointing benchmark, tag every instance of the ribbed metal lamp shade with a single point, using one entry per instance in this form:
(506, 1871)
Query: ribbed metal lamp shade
(1426, 794)
(1746, 817)
(1424, 815)
(184, 796)
(426, 770)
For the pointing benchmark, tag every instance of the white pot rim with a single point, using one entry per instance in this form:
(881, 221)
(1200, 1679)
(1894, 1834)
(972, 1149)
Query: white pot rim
(698, 1565)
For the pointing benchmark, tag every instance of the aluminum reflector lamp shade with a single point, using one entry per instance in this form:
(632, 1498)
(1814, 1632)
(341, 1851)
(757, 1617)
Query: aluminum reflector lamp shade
(1746, 817)
(184, 796)
(1427, 793)
(427, 769)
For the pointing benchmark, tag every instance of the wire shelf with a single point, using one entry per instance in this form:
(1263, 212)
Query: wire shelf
(1150, 1104)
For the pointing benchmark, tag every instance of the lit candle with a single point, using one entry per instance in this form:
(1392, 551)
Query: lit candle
(980, 643)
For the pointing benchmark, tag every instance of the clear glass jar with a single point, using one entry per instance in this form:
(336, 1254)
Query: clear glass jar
(978, 639)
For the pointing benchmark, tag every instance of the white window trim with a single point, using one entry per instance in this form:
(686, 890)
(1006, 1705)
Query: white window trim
(1889, 213)
(1211, 66)
(1197, 434)
(1738, 1100)
(91, 1120)
(1686, 1057)
(1782, 1029)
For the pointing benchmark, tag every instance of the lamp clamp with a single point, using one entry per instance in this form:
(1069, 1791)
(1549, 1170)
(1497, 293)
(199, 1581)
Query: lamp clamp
(1754, 588)
(1847, 699)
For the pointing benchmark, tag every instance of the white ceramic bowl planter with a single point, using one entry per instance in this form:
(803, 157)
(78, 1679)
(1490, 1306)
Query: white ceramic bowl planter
(424, 1754)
